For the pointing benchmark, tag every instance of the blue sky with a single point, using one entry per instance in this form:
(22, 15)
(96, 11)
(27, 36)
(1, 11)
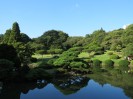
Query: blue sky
(75, 17)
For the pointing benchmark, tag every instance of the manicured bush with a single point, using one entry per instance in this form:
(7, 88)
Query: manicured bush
(96, 66)
(123, 65)
(96, 62)
(51, 62)
(77, 64)
(108, 64)
(61, 62)
(114, 56)
(110, 53)
(66, 58)
(58, 51)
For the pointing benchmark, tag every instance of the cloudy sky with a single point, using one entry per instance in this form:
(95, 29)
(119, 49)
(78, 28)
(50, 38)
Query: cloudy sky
(75, 17)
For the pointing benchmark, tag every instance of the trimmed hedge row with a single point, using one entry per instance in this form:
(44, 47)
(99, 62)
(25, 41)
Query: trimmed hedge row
(109, 64)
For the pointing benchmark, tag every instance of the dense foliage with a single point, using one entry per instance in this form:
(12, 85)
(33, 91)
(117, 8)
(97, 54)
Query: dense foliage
(16, 50)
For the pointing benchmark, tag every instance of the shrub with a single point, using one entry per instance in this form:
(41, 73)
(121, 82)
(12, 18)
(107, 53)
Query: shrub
(131, 64)
(66, 58)
(33, 59)
(123, 65)
(96, 62)
(6, 67)
(6, 64)
(37, 73)
(108, 64)
(58, 51)
(51, 62)
(110, 53)
(114, 57)
(96, 65)
(77, 64)
(60, 62)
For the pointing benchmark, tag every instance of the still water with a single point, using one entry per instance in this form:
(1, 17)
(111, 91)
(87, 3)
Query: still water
(70, 88)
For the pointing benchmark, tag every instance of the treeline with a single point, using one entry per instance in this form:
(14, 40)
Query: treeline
(54, 41)
(16, 48)
(99, 41)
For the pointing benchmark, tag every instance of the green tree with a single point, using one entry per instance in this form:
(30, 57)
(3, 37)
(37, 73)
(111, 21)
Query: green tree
(25, 38)
(128, 51)
(15, 33)
(7, 36)
(9, 52)
(24, 52)
(123, 65)
(52, 39)
(72, 42)
(66, 58)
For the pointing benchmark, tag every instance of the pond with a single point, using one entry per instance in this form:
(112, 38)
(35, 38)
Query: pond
(93, 87)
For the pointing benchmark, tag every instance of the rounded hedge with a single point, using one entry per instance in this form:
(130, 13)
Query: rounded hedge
(123, 65)
(77, 64)
(114, 56)
(96, 62)
(96, 65)
(110, 53)
(51, 62)
(109, 64)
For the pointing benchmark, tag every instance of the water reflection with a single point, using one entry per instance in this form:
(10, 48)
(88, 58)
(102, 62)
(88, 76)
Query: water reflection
(105, 86)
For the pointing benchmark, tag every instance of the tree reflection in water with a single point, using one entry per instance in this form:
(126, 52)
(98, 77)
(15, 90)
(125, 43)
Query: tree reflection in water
(70, 85)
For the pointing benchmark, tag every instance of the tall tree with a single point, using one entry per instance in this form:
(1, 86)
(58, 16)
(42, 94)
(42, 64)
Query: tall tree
(7, 36)
(15, 33)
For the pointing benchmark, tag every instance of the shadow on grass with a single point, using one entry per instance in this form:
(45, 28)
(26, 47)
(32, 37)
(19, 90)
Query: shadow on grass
(43, 61)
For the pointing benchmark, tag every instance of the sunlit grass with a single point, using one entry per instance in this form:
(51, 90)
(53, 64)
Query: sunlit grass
(38, 56)
(102, 57)
(41, 60)
(84, 55)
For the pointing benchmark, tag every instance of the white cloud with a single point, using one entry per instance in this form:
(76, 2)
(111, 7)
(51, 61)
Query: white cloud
(125, 26)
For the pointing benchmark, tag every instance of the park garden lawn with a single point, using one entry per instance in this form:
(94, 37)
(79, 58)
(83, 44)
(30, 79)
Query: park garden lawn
(41, 60)
(102, 57)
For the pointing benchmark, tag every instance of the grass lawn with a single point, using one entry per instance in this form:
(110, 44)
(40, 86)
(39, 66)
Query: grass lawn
(84, 55)
(38, 56)
(42, 60)
(102, 57)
